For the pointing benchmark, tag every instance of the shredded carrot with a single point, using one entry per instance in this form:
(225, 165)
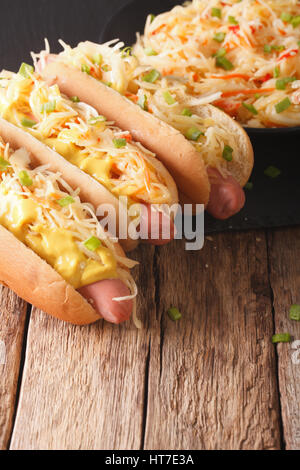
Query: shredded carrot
(127, 137)
(157, 30)
(231, 75)
(55, 196)
(247, 91)
(131, 96)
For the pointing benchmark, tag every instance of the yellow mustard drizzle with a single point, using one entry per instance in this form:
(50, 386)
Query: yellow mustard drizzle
(57, 246)
(98, 166)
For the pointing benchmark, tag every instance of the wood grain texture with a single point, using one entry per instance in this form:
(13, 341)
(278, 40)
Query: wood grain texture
(212, 378)
(12, 323)
(206, 382)
(284, 252)
(83, 387)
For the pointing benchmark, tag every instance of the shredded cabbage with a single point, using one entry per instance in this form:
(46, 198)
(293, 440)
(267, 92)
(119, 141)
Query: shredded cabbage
(125, 74)
(259, 40)
(77, 218)
(93, 143)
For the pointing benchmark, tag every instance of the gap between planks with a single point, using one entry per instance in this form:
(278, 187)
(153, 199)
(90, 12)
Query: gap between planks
(208, 385)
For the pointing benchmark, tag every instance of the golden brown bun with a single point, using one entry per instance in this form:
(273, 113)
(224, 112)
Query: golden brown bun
(175, 152)
(241, 167)
(90, 190)
(38, 283)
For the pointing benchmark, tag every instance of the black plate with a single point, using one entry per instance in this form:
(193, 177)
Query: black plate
(271, 202)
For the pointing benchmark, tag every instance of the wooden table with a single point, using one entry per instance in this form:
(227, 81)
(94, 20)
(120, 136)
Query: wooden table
(213, 380)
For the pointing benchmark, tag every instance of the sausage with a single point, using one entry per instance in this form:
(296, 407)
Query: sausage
(226, 196)
(160, 224)
(101, 294)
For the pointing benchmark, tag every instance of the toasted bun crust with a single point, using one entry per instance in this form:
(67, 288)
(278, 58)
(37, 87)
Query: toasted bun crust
(171, 147)
(90, 190)
(241, 167)
(38, 283)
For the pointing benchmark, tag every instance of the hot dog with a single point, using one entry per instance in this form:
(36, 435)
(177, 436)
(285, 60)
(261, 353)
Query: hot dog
(53, 251)
(90, 144)
(190, 137)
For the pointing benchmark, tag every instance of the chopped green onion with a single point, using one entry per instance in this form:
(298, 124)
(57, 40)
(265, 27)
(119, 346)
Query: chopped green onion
(126, 52)
(152, 17)
(250, 108)
(286, 17)
(272, 172)
(267, 48)
(26, 70)
(283, 105)
(3, 164)
(193, 134)
(220, 52)
(281, 338)
(65, 201)
(174, 314)
(106, 68)
(119, 143)
(28, 122)
(281, 83)
(232, 20)
(75, 99)
(25, 178)
(86, 69)
(278, 48)
(98, 59)
(168, 98)
(276, 72)
(143, 102)
(48, 107)
(109, 84)
(151, 76)
(186, 112)
(219, 37)
(92, 243)
(216, 12)
(95, 120)
(227, 153)
(149, 51)
(249, 186)
(295, 21)
(295, 312)
(224, 63)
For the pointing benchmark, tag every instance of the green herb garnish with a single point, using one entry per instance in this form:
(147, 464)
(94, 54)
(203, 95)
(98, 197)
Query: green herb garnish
(281, 338)
(174, 314)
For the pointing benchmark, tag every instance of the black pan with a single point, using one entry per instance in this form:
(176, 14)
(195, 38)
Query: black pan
(271, 202)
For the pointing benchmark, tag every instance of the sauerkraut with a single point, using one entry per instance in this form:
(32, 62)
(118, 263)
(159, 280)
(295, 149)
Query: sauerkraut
(246, 50)
(168, 97)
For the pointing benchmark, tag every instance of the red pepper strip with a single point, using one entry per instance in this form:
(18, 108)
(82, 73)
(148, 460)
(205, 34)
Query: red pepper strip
(247, 92)
(234, 29)
(267, 77)
(229, 106)
(289, 54)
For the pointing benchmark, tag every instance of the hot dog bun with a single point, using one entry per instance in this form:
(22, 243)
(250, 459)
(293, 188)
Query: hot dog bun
(242, 164)
(171, 147)
(91, 190)
(39, 283)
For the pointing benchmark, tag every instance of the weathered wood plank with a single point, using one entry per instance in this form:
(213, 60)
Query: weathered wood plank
(284, 249)
(12, 316)
(212, 380)
(83, 387)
